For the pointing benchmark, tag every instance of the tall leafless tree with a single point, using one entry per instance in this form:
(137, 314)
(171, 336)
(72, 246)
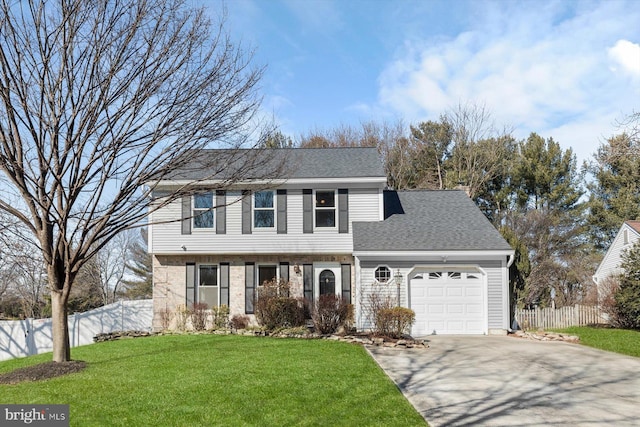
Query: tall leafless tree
(101, 100)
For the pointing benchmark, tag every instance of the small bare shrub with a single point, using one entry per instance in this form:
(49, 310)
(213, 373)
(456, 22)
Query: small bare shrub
(165, 318)
(607, 301)
(394, 322)
(182, 315)
(330, 312)
(274, 307)
(376, 297)
(239, 321)
(199, 315)
(220, 316)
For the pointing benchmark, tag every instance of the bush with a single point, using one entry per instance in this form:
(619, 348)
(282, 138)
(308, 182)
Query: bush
(165, 318)
(182, 315)
(199, 316)
(394, 322)
(220, 316)
(275, 309)
(330, 312)
(627, 297)
(239, 321)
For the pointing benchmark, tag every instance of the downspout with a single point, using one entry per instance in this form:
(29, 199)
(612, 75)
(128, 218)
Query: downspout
(510, 259)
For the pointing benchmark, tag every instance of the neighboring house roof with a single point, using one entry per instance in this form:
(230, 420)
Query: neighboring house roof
(348, 162)
(428, 221)
(634, 224)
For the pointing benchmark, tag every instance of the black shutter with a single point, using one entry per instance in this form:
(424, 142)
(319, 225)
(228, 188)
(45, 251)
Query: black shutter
(224, 283)
(282, 212)
(308, 281)
(284, 271)
(249, 287)
(191, 284)
(221, 212)
(346, 282)
(186, 215)
(246, 212)
(307, 211)
(343, 210)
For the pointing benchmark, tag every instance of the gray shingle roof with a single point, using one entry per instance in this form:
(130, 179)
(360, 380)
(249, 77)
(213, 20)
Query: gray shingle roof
(351, 162)
(428, 221)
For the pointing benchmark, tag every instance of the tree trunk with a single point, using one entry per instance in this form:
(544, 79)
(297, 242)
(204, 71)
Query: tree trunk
(60, 327)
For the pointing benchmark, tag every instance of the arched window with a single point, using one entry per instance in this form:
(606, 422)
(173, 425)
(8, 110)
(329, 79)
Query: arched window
(327, 282)
(382, 274)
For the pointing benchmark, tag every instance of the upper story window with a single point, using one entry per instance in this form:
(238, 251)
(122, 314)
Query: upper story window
(382, 274)
(325, 208)
(263, 209)
(203, 210)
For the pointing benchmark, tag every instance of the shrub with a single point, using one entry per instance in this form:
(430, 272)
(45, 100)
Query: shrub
(376, 297)
(239, 321)
(182, 315)
(627, 297)
(394, 322)
(274, 307)
(165, 318)
(199, 315)
(220, 316)
(330, 312)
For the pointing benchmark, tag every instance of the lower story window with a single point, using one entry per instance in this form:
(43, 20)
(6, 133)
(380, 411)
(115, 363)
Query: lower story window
(266, 273)
(208, 285)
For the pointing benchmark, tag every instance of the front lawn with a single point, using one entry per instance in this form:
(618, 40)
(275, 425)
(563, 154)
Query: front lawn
(209, 380)
(622, 341)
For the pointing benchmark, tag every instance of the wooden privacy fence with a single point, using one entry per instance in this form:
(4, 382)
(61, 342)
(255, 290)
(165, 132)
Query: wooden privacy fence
(544, 318)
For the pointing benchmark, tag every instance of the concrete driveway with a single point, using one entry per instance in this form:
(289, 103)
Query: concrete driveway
(506, 381)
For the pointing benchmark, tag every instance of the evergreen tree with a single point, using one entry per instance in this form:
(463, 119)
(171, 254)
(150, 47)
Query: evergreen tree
(140, 266)
(628, 295)
(615, 189)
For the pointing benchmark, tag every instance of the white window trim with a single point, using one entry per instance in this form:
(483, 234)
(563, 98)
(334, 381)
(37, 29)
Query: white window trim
(274, 209)
(193, 214)
(335, 209)
(197, 289)
(391, 274)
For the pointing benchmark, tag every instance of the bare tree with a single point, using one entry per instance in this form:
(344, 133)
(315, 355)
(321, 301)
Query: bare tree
(111, 263)
(99, 102)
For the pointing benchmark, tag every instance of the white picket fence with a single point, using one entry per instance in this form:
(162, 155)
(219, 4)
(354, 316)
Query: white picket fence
(20, 338)
(564, 317)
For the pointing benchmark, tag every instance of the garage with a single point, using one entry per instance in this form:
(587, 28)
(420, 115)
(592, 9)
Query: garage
(447, 301)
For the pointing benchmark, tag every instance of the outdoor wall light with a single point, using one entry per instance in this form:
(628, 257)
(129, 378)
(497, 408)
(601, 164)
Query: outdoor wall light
(184, 248)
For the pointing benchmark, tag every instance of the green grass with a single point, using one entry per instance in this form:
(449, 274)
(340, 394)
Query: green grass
(622, 341)
(209, 380)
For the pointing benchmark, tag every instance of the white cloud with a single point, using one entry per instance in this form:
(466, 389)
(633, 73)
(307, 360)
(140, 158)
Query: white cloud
(627, 55)
(535, 70)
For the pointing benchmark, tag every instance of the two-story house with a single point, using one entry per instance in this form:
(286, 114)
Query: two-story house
(331, 226)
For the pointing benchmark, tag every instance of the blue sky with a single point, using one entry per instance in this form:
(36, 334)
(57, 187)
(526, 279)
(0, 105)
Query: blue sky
(563, 69)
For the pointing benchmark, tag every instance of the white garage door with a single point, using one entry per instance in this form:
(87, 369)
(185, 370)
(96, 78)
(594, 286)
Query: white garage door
(447, 302)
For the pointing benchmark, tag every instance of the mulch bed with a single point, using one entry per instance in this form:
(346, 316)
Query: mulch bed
(42, 371)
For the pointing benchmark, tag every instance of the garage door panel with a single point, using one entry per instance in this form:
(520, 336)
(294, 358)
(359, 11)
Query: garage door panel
(447, 304)
(435, 291)
(454, 291)
(473, 291)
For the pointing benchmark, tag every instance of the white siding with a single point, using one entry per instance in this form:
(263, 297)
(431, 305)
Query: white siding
(610, 264)
(497, 312)
(167, 238)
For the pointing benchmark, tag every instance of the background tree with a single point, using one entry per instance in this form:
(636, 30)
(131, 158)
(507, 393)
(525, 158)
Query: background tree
(615, 188)
(547, 217)
(139, 266)
(627, 297)
(99, 101)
